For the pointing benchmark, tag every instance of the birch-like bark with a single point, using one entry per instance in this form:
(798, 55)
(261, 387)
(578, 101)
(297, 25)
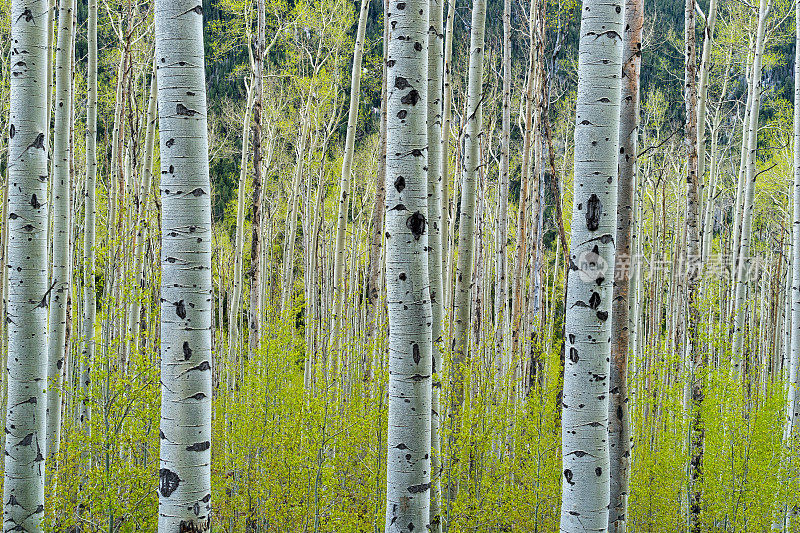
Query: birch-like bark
(619, 433)
(702, 92)
(291, 235)
(585, 484)
(693, 265)
(469, 178)
(792, 427)
(140, 229)
(186, 289)
(434, 190)
(236, 296)
(26, 367)
(501, 277)
(89, 298)
(378, 211)
(522, 215)
(447, 115)
(743, 257)
(61, 260)
(408, 463)
(255, 245)
(344, 192)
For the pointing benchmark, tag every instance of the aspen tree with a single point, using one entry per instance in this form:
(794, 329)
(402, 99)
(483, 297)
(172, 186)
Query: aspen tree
(466, 230)
(693, 265)
(792, 427)
(702, 94)
(236, 296)
(28, 294)
(408, 463)
(619, 433)
(585, 484)
(61, 189)
(89, 298)
(742, 264)
(447, 115)
(344, 183)
(186, 289)
(435, 163)
(501, 290)
(255, 245)
(140, 224)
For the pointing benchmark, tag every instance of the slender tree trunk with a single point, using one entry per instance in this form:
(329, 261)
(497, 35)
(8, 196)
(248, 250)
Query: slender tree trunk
(378, 211)
(501, 289)
(255, 247)
(186, 289)
(585, 485)
(702, 92)
(466, 229)
(89, 297)
(743, 259)
(447, 115)
(619, 433)
(408, 475)
(693, 266)
(289, 241)
(28, 294)
(344, 192)
(236, 296)
(434, 192)
(792, 427)
(522, 216)
(61, 187)
(141, 222)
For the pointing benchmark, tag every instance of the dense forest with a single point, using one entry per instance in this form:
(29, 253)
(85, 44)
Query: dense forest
(400, 266)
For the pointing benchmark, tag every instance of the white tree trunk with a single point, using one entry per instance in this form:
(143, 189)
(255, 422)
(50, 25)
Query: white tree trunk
(236, 297)
(61, 189)
(434, 190)
(408, 464)
(469, 178)
(186, 290)
(619, 432)
(344, 183)
(743, 260)
(26, 368)
(585, 483)
(447, 114)
(501, 277)
(140, 229)
(89, 298)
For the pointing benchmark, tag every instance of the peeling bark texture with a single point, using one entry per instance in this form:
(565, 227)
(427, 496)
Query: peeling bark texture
(186, 290)
(61, 187)
(619, 431)
(28, 295)
(585, 481)
(435, 95)
(469, 182)
(408, 464)
(89, 299)
(742, 257)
